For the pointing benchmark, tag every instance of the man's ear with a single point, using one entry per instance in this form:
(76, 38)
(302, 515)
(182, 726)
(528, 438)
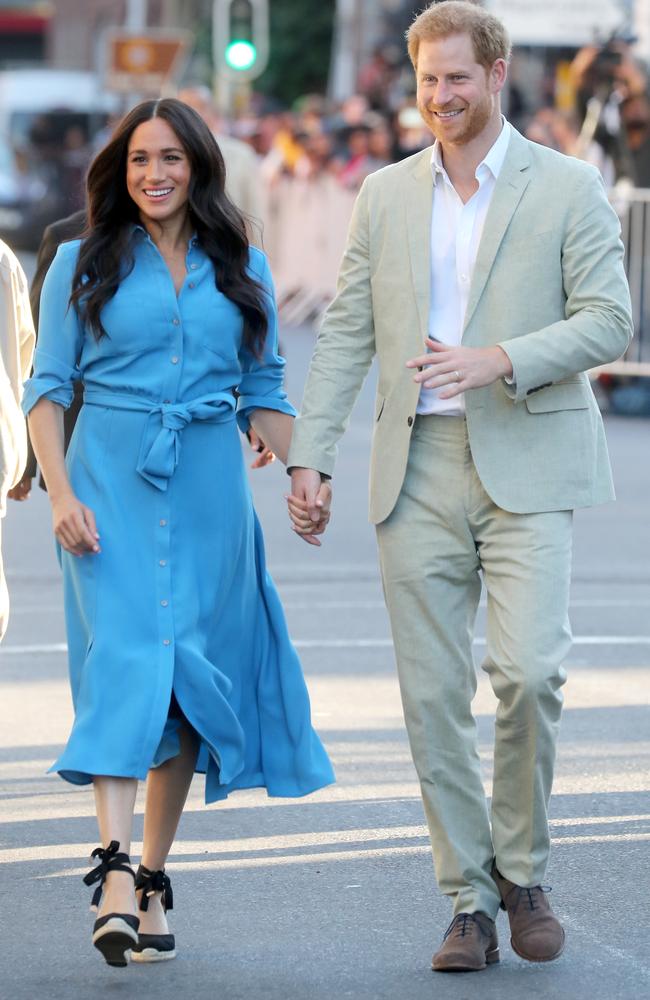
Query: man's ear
(498, 75)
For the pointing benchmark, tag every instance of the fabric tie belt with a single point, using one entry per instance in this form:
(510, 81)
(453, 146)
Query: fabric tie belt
(161, 442)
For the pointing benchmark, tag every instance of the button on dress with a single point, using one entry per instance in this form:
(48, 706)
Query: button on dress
(178, 608)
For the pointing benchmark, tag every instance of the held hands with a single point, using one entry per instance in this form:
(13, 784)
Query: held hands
(74, 525)
(457, 369)
(309, 504)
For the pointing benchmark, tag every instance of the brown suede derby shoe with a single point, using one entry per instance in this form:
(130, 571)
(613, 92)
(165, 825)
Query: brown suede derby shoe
(469, 945)
(536, 933)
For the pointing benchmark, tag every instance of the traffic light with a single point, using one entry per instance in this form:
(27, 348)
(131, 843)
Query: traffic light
(241, 37)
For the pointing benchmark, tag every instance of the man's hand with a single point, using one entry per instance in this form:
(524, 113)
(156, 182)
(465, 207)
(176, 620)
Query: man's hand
(457, 369)
(265, 455)
(74, 525)
(309, 504)
(21, 490)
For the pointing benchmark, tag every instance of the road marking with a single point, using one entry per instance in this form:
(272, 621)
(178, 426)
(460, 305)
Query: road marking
(274, 846)
(369, 605)
(52, 647)
(318, 605)
(578, 640)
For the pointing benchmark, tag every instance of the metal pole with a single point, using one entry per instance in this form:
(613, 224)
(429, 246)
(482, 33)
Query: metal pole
(221, 83)
(135, 19)
(136, 14)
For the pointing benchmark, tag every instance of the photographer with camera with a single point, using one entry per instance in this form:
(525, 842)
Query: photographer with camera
(613, 101)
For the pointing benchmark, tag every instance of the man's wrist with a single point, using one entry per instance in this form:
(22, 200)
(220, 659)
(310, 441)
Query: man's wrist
(505, 364)
(324, 477)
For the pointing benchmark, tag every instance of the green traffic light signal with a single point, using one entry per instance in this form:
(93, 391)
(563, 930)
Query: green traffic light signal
(241, 55)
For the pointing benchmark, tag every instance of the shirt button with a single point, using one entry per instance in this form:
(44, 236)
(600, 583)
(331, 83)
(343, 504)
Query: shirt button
(191, 285)
(163, 604)
(194, 266)
(176, 321)
(166, 642)
(410, 421)
(163, 562)
(174, 360)
(162, 523)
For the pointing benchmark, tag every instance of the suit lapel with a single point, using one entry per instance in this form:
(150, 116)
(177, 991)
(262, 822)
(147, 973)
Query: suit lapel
(512, 182)
(419, 203)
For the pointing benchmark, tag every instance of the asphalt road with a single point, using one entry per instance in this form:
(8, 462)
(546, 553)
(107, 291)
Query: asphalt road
(334, 896)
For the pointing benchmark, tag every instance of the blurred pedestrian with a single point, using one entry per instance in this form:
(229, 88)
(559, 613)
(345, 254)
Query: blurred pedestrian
(58, 232)
(180, 659)
(242, 167)
(635, 122)
(16, 349)
(487, 275)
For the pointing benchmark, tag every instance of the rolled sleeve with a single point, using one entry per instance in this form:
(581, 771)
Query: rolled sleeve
(53, 379)
(261, 386)
(60, 336)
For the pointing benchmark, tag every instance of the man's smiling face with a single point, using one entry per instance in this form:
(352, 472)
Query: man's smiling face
(456, 95)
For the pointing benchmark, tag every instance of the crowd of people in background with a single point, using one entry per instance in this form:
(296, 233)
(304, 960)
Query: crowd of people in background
(607, 122)
(605, 119)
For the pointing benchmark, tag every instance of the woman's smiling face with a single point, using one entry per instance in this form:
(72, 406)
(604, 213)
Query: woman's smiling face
(158, 171)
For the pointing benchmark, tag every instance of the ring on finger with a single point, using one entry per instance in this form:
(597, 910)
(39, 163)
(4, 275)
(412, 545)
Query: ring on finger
(458, 376)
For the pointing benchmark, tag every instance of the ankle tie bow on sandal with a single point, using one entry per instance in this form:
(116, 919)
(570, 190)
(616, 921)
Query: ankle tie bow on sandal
(154, 947)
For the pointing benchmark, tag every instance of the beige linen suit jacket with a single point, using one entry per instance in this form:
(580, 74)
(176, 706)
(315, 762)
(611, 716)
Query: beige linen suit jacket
(548, 286)
(16, 349)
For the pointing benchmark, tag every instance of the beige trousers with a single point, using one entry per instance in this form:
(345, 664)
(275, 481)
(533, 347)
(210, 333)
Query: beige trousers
(442, 535)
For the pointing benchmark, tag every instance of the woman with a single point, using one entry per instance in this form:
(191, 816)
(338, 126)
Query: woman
(179, 654)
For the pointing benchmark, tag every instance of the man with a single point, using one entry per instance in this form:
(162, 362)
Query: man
(486, 274)
(16, 349)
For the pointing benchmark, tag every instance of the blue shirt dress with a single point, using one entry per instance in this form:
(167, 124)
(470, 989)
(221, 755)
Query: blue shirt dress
(179, 599)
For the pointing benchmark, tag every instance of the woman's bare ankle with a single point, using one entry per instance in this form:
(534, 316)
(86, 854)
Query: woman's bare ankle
(118, 895)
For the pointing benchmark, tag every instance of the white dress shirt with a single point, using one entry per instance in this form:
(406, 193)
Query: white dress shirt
(456, 230)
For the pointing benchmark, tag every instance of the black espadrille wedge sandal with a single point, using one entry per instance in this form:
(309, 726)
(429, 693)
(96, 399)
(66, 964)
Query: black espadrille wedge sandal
(154, 947)
(114, 934)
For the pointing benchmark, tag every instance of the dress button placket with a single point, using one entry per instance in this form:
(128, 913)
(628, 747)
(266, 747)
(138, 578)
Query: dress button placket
(164, 585)
(163, 529)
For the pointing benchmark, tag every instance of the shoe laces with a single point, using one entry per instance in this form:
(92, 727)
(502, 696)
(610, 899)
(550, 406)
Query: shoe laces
(463, 925)
(530, 897)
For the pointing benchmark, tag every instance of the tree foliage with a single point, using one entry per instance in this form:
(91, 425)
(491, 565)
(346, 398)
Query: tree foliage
(301, 43)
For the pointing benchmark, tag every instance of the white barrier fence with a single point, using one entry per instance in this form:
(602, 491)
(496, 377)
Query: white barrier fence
(305, 233)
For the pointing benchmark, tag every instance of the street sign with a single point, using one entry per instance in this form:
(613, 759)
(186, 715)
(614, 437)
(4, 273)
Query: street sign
(143, 62)
(558, 22)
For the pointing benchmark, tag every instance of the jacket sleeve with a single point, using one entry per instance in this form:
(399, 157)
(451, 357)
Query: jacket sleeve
(60, 335)
(343, 355)
(598, 324)
(17, 342)
(261, 386)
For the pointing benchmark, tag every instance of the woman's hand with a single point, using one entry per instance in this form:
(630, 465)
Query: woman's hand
(264, 455)
(74, 525)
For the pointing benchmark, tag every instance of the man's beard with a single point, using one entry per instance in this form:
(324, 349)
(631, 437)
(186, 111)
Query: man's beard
(474, 119)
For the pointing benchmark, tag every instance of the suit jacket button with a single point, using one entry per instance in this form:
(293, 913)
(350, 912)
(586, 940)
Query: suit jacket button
(410, 421)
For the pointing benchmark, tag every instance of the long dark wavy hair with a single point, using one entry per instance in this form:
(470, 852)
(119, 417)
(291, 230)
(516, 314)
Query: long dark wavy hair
(106, 254)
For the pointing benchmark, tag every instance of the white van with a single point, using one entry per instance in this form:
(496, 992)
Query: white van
(49, 119)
